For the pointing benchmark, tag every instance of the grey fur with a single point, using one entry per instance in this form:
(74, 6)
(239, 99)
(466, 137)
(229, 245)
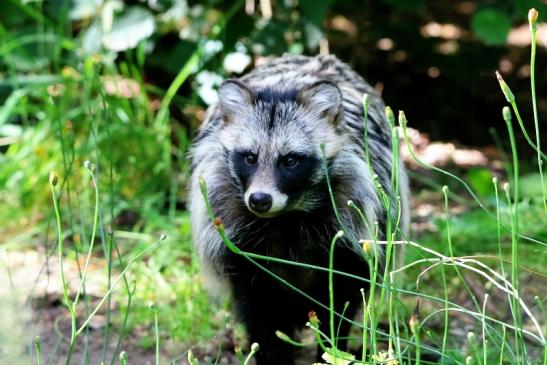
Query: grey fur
(291, 104)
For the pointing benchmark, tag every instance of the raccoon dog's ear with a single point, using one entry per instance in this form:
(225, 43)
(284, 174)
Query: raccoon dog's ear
(232, 96)
(323, 97)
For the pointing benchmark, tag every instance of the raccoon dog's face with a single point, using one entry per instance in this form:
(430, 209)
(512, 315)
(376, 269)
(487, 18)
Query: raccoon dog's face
(272, 137)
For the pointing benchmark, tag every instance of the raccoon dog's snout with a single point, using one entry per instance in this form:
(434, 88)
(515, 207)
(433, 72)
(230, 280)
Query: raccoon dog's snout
(260, 202)
(265, 202)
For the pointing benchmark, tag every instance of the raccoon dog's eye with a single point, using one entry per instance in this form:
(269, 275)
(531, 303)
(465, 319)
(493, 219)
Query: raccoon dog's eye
(290, 160)
(250, 158)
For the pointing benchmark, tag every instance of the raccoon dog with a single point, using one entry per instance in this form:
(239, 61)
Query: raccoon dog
(260, 154)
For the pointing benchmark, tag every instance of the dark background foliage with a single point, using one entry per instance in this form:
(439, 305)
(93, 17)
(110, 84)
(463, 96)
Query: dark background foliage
(433, 59)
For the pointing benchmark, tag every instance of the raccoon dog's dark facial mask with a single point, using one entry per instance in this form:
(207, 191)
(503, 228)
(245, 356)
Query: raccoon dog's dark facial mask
(272, 141)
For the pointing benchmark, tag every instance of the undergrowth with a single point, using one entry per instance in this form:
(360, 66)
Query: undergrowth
(111, 139)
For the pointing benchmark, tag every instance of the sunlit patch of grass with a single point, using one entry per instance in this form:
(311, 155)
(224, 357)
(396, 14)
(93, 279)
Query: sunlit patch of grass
(170, 279)
(475, 233)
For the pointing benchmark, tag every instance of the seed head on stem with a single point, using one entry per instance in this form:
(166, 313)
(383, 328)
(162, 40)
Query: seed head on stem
(533, 19)
(505, 89)
(53, 178)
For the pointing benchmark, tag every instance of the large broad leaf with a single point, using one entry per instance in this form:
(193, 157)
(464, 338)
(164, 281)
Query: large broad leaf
(133, 26)
(491, 25)
(315, 10)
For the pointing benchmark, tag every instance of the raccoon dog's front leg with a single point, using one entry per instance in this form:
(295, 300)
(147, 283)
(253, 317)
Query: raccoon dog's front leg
(263, 310)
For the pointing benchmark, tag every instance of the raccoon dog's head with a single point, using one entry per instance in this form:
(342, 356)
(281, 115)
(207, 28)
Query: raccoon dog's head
(272, 138)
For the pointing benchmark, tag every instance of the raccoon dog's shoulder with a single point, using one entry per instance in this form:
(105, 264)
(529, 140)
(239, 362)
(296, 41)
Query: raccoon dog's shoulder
(259, 151)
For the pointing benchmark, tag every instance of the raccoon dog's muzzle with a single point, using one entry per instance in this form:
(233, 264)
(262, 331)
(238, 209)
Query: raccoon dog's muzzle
(265, 201)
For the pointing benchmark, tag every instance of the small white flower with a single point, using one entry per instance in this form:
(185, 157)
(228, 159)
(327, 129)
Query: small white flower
(212, 47)
(207, 83)
(236, 62)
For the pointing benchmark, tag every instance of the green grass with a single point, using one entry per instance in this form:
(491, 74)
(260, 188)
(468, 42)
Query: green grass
(170, 279)
(120, 211)
(78, 115)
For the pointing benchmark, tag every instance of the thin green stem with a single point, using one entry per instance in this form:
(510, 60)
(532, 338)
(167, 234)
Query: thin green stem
(329, 187)
(123, 327)
(254, 349)
(346, 306)
(319, 336)
(157, 334)
(443, 274)
(71, 308)
(365, 140)
(524, 132)
(533, 31)
(403, 124)
(500, 253)
(502, 344)
(498, 226)
(93, 233)
(418, 346)
(510, 97)
(38, 347)
(284, 337)
(445, 330)
(472, 338)
(115, 282)
(484, 340)
(515, 278)
(332, 324)
(365, 332)
(251, 257)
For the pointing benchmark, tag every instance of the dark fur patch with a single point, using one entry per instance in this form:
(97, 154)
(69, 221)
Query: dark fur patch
(244, 171)
(270, 95)
(295, 180)
(266, 304)
(271, 122)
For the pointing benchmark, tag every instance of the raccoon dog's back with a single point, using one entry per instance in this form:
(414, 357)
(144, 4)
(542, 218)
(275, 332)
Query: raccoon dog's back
(260, 154)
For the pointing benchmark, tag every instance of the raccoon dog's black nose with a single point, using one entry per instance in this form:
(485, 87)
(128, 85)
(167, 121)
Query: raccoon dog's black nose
(260, 202)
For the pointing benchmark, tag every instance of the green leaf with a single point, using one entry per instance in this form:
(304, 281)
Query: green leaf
(32, 80)
(315, 10)
(11, 15)
(530, 185)
(480, 179)
(11, 103)
(491, 25)
(337, 357)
